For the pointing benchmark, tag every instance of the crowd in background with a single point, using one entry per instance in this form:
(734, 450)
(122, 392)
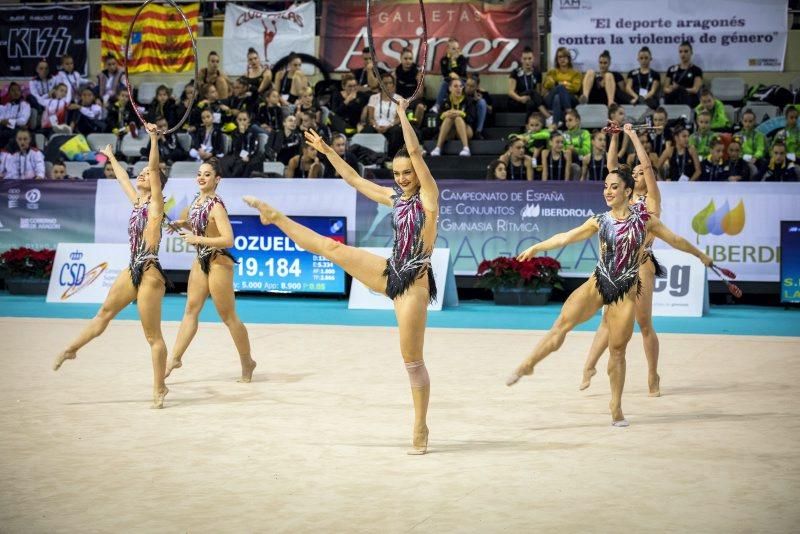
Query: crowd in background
(260, 115)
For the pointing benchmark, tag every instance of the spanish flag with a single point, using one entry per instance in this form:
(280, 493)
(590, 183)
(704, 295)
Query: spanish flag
(160, 41)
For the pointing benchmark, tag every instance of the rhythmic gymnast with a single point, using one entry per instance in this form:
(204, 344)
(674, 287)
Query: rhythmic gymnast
(144, 280)
(623, 232)
(406, 277)
(645, 190)
(209, 230)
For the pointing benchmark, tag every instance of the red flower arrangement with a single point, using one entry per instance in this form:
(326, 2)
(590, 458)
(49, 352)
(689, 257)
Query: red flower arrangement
(26, 263)
(510, 272)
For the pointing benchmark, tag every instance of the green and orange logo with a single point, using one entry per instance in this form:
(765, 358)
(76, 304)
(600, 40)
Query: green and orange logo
(724, 220)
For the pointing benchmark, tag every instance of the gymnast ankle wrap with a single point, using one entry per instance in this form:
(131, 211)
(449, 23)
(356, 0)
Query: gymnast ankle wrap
(418, 374)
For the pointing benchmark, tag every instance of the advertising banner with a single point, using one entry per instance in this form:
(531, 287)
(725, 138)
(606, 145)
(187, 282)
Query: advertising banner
(492, 35)
(683, 292)
(790, 261)
(84, 272)
(293, 197)
(29, 34)
(726, 35)
(482, 220)
(42, 213)
(274, 34)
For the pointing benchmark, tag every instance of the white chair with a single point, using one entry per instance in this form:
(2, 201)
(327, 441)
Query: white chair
(593, 115)
(728, 89)
(137, 167)
(185, 140)
(131, 147)
(76, 168)
(676, 111)
(177, 89)
(762, 109)
(634, 113)
(41, 141)
(731, 112)
(184, 169)
(98, 141)
(274, 167)
(147, 92)
(373, 141)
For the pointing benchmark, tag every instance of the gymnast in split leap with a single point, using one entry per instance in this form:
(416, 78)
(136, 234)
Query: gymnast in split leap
(143, 280)
(209, 230)
(645, 190)
(405, 277)
(623, 232)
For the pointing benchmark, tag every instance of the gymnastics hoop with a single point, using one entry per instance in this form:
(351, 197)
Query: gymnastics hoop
(128, 78)
(423, 52)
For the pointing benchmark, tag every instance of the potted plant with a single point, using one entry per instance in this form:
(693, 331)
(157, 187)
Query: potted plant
(520, 282)
(27, 271)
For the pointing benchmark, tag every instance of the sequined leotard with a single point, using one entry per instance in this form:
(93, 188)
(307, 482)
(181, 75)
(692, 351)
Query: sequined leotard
(198, 218)
(409, 260)
(621, 244)
(660, 272)
(141, 256)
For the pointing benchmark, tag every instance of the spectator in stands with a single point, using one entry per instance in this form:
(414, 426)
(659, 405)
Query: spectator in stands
(307, 120)
(790, 135)
(304, 165)
(407, 76)
(382, 116)
(87, 116)
(339, 145)
(68, 75)
(576, 139)
(679, 161)
(719, 119)
(169, 148)
(207, 140)
(519, 165)
(593, 166)
(211, 103)
(59, 172)
(458, 119)
(26, 163)
(701, 139)
(306, 104)
(604, 86)
(213, 75)
(684, 80)
(291, 82)
(180, 109)
(163, 105)
(779, 168)
(633, 158)
(100, 173)
(496, 170)
(643, 84)
(616, 113)
(483, 102)
(3, 161)
(110, 81)
(286, 142)
(366, 79)
(739, 168)
(525, 86)
(259, 78)
(536, 136)
(346, 106)
(714, 168)
(663, 137)
(108, 171)
(754, 144)
(246, 154)
(453, 67)
(238, 100)
(41, 85)
(54, 110)
(562, 85)
(14, 115)
(270, 112)
(556, 162)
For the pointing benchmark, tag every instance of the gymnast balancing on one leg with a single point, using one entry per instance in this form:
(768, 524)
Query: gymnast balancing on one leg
(212, 271)
(645, 190)
(406, 277)
(623, 232)
(143, 281)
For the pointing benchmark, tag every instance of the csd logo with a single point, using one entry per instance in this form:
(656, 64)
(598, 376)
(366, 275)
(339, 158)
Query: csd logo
(74, 276)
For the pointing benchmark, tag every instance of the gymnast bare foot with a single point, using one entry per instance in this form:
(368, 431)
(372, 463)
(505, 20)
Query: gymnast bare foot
(247, 370)
(61, 358)
(655, 386)
(519, 373)
(617, 419)
(174, 363)
(419, 442)
(587, 378)
(158, 398)
(267, 212)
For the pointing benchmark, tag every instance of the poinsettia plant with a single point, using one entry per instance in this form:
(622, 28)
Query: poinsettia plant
(27, 263)
(512, 273)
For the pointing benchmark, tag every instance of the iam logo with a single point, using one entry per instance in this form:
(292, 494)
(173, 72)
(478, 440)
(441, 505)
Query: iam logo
(724, 220)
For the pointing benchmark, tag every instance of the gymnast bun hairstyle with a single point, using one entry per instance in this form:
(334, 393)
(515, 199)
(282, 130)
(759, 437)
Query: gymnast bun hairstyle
(645, 49)
(624, 173)
(402, 153)
(605, 54)
(215, 165)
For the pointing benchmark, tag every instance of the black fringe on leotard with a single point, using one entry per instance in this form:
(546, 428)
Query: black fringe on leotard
(205, 261)
(397, 285)
(137, 273)
(661, 272)
(611, 293)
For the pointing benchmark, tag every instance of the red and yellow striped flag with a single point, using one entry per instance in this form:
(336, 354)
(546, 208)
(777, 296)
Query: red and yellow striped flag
(159, 41)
